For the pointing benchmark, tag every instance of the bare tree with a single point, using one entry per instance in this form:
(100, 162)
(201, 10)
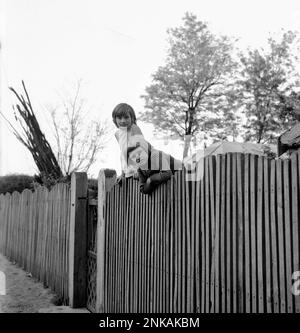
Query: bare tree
(77, 143)
(31, 136)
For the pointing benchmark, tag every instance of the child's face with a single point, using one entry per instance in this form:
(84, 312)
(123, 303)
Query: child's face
(124, 121)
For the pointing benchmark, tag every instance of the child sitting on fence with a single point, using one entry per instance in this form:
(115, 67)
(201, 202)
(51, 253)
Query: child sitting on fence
(138, 158)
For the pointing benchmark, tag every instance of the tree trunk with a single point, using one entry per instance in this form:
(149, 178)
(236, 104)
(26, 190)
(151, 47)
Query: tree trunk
(187, 143)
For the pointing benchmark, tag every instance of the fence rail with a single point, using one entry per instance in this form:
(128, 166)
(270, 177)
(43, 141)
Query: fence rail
(34, 232)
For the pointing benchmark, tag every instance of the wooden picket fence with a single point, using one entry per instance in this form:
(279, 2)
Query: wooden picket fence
(34, 233)
(226, 243)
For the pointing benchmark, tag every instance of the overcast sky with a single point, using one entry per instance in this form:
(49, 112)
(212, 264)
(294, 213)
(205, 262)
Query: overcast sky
(114, 46)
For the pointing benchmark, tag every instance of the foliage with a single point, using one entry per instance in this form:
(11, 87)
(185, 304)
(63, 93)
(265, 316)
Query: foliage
(267, 89)
(15, 182)
(197, 68)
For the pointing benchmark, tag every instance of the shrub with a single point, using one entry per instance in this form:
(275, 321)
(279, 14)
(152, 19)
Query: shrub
(16, 182)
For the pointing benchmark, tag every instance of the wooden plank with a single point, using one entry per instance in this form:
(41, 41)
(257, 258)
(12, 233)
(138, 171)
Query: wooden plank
(223, 237)
(176, 245)
(234, 236)
(128, 249)
(260, 235)
(148, 253)
(267, 234)
(253, 175)
(132, 241)
(140, 246)
(215, 236)
(295, 161)
(193, 236)
(228, 233)
(171, 264)
(179, 234)
(184, 257)
(151, 252)
(280, 236)
(240, 227)
(274, 243)
(212, 194)
(197, 248)
(247, 211)
(208, 261)
(203, 245)
(288, 238)
(125, 216)
(143, 254)
(187, 217)
(155, 195)
(114, 241)
(104, 184)
(77, 245)
(168, 236)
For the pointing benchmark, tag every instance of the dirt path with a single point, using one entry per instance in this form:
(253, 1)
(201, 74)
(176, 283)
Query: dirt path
(23, 293)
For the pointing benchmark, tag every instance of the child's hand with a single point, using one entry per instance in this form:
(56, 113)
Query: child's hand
(119, 180)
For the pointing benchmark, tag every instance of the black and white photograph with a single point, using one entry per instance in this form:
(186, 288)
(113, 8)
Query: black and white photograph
(149, 160)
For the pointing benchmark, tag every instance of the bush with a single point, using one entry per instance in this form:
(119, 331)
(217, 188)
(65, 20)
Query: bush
(15, 182)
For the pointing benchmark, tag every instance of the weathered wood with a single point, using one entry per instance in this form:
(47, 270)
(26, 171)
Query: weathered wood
(280, 236)
(260, 235)
(267, 235)
(287, 232)
(253, 232)
(77, 245)
(228, 233)
(274, 242)
(240, 230)
(104, 185)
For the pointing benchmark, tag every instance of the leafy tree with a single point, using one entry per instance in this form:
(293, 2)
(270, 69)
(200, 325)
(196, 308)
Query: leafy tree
(197, 67)
(267, 89)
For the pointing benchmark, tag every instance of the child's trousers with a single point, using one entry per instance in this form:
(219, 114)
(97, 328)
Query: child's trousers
(150, 179)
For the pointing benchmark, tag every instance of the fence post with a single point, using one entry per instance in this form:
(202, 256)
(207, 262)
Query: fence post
(106, 179)
(77, 240)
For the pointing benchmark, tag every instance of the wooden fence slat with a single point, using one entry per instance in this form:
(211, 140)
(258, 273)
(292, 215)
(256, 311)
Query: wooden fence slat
(197, 247)
(228, 233)
(189, 243)
(253, 180)
(267, 233)
(193, 245)
(203, 245)
(280, 236)
(215, 236)
(234, 236)
(247, 234)
(260, 255)
(274, 243)
(184, 258)
(240, 227)
(172, 245)
(295, 160)
(287, 232)
(223, 236)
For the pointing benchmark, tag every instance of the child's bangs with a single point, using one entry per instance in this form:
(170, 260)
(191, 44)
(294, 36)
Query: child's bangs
(122, 112)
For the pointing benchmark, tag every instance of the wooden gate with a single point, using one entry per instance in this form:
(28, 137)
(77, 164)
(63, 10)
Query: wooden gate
(91, 252)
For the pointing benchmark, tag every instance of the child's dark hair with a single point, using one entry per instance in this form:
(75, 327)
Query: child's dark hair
(123, 109)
